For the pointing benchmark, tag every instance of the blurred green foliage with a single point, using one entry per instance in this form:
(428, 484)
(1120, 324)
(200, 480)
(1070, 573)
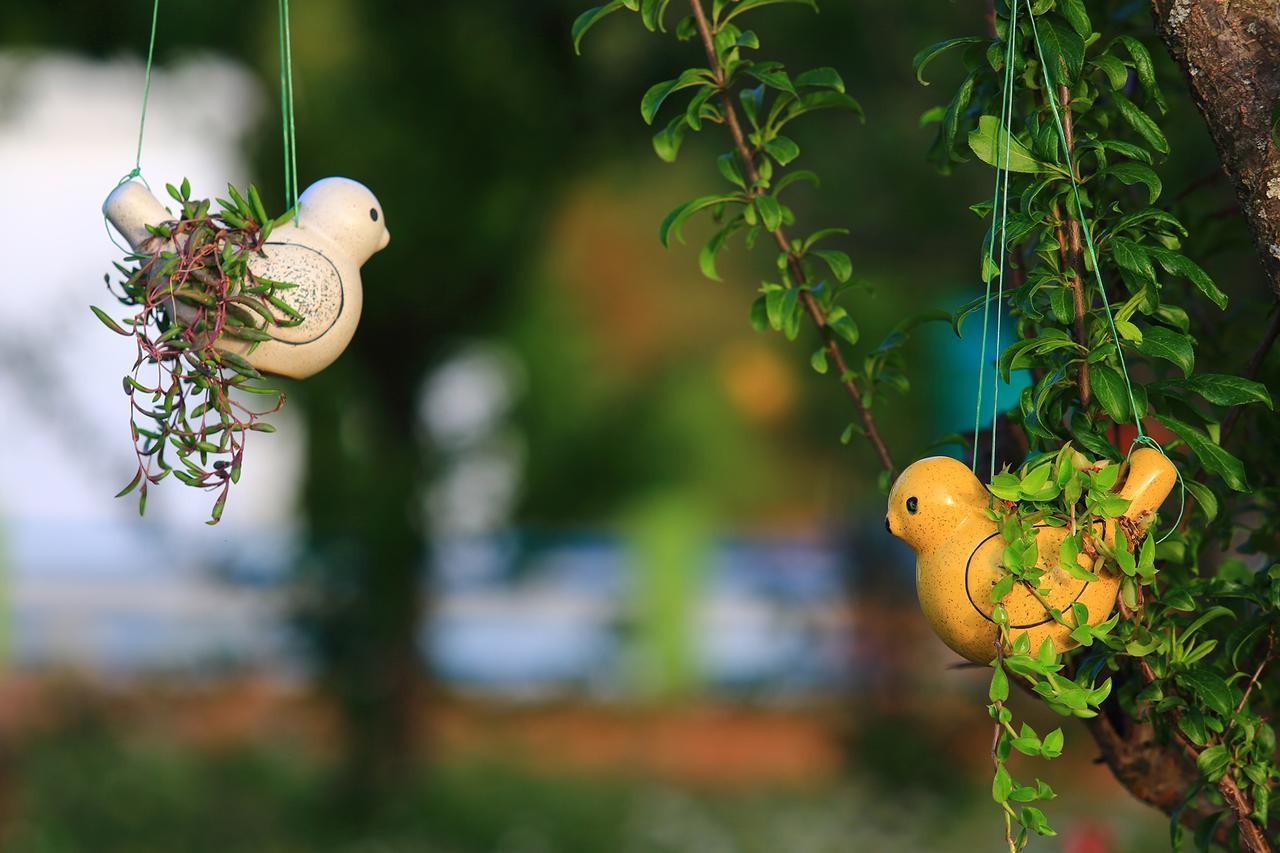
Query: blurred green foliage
(90, 787)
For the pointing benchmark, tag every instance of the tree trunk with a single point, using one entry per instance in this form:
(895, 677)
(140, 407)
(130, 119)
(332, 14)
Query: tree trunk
(362, 580)
(1230, 52)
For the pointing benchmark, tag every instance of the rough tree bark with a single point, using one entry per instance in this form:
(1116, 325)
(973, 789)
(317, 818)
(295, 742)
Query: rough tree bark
(1230, 52)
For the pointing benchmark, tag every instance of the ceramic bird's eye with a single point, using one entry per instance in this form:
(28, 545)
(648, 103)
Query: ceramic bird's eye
(913, 504)
(373, 214)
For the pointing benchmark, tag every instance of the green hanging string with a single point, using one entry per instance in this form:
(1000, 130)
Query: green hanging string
(136, 171)
(999, 203)
(286, 116)
(286, 112)
(1052, 100)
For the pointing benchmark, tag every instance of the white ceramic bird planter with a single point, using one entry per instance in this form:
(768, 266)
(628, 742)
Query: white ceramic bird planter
(339, 226)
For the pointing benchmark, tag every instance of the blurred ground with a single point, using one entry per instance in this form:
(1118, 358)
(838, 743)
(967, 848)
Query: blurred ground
(237, 766)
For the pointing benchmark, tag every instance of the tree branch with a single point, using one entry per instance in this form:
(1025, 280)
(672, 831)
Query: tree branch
(1252, 838)
(1069, 250)
(830, 344)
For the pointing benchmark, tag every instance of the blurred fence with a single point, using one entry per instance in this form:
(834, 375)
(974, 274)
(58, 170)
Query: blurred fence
(515, 615)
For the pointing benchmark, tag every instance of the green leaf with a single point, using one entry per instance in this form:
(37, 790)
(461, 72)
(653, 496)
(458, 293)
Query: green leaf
(707, 257)
(844, 326)
(759, 314)
(818, 361)
(819, 235)
(774, 76)
(108, 322)
(1052, 746)
(666, 142)
(652, 13)
(674, 220)
(999, 690)
(1034, 481)
(748, 5)
(728, 165)
(1151, 214)
(1006, 486)
(133, 484)
(1211, 456)
(928, 54)
(1074, 12)
(1204, 496)
(988, 143)
(1205, 618)
(1144, 68)
(1033, 819)
(1223, 390)
(1108, 387)
(1192, 725)
(821, 78)
(1063, 52)
(659, 92)
(795, 175)
(770, 212)
(1116, 71)
(1178, 264)
(1213, 762)
(841, 266)
(1135, 173)
(1001, 785)
(782, 149)
(811, 101)
(1159, 342)
(1143, 124)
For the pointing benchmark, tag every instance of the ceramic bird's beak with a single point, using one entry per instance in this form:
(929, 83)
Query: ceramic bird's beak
(386, 238)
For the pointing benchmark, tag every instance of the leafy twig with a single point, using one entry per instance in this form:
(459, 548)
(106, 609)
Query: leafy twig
(811, 306)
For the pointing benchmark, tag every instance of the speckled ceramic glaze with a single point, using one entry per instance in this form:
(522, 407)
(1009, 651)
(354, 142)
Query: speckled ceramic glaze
(958, 550)
(340, 225)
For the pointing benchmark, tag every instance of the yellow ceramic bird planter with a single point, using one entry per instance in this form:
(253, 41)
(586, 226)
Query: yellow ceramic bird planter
(938, 507)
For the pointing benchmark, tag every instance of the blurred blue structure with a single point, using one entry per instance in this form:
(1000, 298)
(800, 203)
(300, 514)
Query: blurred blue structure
(518, 615)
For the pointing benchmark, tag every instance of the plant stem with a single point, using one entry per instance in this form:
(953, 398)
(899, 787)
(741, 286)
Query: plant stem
(1069, 250)
(830, 344)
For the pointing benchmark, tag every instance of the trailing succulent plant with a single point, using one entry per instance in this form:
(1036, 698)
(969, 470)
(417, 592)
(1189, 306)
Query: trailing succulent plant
(199, 310)
(1096, 274)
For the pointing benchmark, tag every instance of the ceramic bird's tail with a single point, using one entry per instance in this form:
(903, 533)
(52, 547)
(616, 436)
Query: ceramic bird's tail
(1151, 478)
(131, 208)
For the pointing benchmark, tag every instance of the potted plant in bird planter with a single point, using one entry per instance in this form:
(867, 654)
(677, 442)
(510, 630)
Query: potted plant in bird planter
(1037, 554)
(221, 299)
